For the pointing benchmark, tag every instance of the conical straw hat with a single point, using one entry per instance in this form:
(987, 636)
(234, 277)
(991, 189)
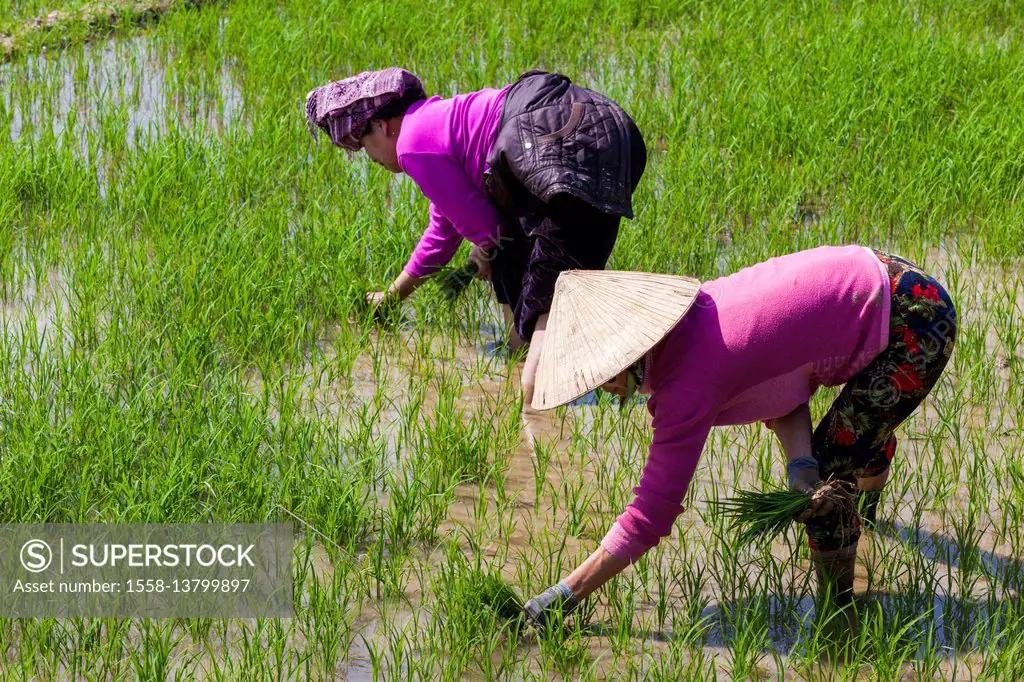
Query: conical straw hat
(602, 321)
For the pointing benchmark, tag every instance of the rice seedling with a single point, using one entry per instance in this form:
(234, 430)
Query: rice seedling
(453, 281)
(765, 515)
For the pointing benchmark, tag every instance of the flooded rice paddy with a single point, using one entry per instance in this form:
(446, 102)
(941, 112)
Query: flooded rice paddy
(180, 270)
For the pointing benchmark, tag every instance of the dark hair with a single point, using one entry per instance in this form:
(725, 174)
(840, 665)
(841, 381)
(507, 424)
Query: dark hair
(398, 107)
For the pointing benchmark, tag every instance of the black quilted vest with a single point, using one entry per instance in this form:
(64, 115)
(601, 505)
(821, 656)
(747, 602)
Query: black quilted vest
(556, 136)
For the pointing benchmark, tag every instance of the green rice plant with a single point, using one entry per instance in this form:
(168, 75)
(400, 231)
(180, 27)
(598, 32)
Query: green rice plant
(453, 281)
(474, 604)
(563, 648)
(498, 595)
(153, 658)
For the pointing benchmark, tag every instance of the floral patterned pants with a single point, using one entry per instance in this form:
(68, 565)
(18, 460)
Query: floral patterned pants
(856, 438)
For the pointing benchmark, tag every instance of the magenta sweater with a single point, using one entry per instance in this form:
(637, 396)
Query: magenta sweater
(754, 346)
(443, 147)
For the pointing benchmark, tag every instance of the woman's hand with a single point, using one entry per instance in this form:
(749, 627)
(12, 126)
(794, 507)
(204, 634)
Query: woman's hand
(375, 299)
(561, 599)
(381, 302)
(794, 433)
(550, 606)
(482, 258)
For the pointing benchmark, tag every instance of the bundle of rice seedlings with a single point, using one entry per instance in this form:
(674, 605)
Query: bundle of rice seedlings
(765, 515)
(497, 595)
(453, 281)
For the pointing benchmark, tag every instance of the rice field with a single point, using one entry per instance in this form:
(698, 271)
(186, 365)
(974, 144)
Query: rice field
(181, 270)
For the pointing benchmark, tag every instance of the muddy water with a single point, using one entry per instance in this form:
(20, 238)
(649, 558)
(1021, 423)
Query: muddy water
(483, 374)
(127, 89)
(32, 305)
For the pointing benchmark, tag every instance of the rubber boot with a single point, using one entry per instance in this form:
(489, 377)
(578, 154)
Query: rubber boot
(835, 571)
(836, 614)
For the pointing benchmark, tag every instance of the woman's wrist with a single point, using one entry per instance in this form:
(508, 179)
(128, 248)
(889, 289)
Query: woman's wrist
(803, 473)
(599, 568)
(801, 464)
(567, 593)
(404, 285)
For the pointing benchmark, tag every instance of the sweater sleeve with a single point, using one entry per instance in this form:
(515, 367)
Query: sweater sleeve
(681, 428)
(436, 247)
(453, 194)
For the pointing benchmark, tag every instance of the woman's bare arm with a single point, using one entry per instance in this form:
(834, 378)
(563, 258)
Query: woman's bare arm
(404, 285)
(400, 289)
(599, 568)
(794, 432)
(559, 600)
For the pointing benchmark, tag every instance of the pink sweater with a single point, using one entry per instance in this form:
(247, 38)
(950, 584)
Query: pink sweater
(443, 147)
(755, 346)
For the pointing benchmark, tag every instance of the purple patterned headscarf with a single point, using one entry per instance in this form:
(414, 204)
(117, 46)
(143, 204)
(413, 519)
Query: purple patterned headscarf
(343, 109)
